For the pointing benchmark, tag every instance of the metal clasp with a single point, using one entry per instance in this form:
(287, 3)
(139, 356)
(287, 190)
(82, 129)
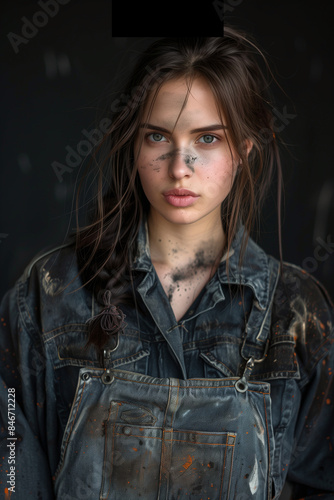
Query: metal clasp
(107, 378)
(241, 385)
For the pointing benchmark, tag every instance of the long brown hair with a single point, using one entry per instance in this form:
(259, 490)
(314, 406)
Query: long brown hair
(239, 75)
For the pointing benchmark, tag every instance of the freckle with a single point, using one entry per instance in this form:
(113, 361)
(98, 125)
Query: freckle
(159, 240)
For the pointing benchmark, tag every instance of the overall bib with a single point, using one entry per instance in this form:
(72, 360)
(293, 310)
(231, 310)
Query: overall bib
(132, 436)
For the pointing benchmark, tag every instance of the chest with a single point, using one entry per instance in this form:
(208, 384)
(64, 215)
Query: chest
(183, 286)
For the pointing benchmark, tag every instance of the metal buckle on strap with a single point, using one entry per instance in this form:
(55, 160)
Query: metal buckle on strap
(241, 385)
(255, 359)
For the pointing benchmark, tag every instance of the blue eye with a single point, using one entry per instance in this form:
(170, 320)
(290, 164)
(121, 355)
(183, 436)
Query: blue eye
(208, 139)
(156, 137)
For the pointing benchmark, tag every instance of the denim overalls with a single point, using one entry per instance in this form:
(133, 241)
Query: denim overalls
(220, 405)
(168, 438)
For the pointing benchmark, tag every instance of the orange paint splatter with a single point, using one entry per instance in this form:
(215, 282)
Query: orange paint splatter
(7, 494)
(135, 449)
(188, 463)
(328, 401)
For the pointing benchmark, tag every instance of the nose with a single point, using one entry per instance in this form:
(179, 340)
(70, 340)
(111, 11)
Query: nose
(181, 164)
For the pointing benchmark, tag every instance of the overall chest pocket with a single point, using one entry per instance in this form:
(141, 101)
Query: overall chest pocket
(156, 462)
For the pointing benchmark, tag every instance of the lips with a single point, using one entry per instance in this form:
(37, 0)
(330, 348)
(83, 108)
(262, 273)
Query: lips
(180, 192)
(180, 197)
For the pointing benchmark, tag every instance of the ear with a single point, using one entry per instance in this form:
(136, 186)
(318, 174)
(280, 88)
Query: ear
(246, 148)
(249, 146)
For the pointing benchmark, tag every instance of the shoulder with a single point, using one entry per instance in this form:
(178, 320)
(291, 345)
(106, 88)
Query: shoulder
(51, 292)
(303, 310)
(59, 259)
(298, 288)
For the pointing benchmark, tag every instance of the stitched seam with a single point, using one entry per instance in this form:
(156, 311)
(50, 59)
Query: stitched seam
(231, 469)
(106, 440)
(269, 463)
(222, 479)
(112, 454)
(177, 400)
(70, 431)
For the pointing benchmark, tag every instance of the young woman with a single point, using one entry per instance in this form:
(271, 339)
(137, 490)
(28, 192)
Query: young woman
(161, 354)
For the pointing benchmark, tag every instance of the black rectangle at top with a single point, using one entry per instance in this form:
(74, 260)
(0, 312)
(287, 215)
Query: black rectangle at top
(168, 18)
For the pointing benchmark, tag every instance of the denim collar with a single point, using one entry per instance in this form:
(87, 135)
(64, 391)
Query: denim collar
(253, 272)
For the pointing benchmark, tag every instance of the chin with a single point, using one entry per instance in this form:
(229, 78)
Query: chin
(181, 218)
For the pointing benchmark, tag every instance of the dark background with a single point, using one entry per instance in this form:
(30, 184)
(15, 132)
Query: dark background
(61, 82)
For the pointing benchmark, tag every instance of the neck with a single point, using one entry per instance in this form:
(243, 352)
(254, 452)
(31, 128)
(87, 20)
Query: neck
(174, 245)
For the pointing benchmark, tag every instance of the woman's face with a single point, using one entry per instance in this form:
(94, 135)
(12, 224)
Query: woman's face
(186, 170)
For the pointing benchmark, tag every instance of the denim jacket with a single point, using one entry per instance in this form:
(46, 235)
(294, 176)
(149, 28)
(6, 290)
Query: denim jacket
(228, 403)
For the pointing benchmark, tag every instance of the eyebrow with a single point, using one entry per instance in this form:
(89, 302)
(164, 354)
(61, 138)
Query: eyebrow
(208, 128)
